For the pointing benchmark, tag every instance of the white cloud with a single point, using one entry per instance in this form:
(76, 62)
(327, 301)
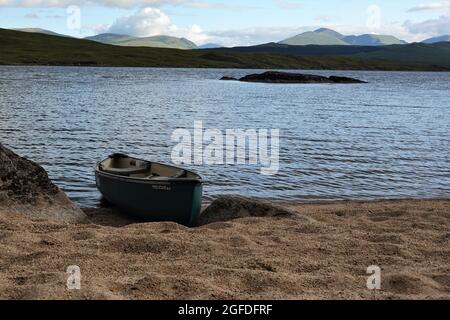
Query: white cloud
(431, 27)
(106, 3)
(96, 28)
(253, 36)
(194, 33)
(151, 21)
(198, 4)
(322, 19)
(38, 3)
(31, 16)
(217, 6)
(145, 22)
(443, 6)
(288, 4)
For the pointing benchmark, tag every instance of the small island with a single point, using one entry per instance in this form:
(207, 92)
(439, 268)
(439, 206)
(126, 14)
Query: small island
(287, 77)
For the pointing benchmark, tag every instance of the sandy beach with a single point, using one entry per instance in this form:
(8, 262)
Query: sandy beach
(321, 254)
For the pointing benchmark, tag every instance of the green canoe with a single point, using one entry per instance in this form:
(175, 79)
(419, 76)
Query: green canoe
(150, 191)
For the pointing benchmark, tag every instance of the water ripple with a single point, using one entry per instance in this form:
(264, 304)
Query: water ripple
(389, 138)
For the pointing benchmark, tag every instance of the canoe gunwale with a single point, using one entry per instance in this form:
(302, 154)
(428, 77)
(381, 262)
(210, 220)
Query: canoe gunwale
(160, 180)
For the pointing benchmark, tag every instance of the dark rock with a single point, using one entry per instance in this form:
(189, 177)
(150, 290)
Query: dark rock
(286, 77)
(228, 78)
(336, 79)
(228, 208)
(25, 188)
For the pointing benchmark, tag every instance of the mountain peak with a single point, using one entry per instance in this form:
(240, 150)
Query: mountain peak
(321, 30)
(314, 38)
(210, 46)
(330, 32)
(325, 36)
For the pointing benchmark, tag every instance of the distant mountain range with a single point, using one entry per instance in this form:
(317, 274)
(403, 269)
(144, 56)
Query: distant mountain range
(313, 38)
(37, 48)
(154, 42)
(39, 30)
(319, 37)
(330, 37)
(437, 39)
(210, 46)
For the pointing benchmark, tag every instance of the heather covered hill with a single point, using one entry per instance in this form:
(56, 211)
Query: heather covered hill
(26, 48)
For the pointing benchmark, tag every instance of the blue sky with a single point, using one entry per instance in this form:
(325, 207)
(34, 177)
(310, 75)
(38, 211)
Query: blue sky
(230, 22)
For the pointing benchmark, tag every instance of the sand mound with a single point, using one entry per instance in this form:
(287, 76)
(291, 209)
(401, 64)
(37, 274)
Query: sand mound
(26, 189)
(229, 208)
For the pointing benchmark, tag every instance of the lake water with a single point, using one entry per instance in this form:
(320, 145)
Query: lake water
(386, 139)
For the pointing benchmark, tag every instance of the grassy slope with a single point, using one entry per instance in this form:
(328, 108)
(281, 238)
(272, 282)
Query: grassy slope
(313, 38)
(18, 48)
(434, 54)
(110, 38)
(159, 42)
(372, 40)
(387, 40)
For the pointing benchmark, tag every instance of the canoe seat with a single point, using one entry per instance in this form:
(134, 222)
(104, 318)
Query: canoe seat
(127, 171)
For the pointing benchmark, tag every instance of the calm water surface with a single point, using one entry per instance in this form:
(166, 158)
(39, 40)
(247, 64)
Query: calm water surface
(389, 138)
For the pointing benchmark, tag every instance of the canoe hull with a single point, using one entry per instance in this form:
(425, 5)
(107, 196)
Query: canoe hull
(175, 201)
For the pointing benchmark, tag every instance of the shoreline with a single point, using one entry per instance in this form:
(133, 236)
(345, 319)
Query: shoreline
(109, 214)
(287, 202)
(442, 70)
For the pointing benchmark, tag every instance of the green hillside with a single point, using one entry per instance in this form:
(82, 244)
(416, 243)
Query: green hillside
(110, 38)
(445, 38)
(433, 54)
(328, 37)
(313, 38)
(23, 48)
(154, 42)
(330, 32)
(372, 40)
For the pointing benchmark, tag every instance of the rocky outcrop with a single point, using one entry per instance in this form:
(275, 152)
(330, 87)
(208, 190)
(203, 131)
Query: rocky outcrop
(335, 79)
(26, 189)
(228, 78)
(287, 77)
(228, 208)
